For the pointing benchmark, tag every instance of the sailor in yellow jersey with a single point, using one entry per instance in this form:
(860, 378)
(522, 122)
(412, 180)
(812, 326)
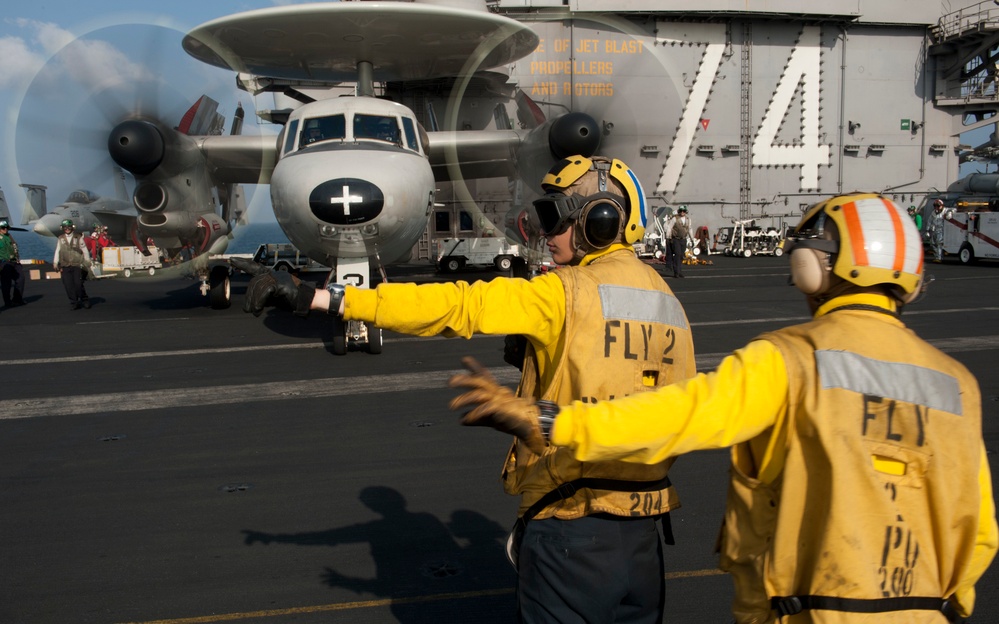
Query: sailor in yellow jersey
(860, 489)
(606, 325)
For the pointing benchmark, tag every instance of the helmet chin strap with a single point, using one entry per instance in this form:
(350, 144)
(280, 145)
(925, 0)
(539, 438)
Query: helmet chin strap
(579, 245)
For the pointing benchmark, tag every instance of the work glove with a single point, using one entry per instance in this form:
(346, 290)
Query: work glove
(270, 287)
(496, 406)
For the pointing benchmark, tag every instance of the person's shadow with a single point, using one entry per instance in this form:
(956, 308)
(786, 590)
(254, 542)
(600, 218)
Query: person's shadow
(427, 575)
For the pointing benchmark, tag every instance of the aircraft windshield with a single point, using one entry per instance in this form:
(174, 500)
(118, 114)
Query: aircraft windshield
(323, 129)
(81, 197)
(376, 127)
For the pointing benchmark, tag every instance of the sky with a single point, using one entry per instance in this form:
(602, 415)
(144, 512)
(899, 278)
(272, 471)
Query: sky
(67, 66)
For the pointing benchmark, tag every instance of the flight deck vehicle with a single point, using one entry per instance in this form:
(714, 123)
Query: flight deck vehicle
(286, 257)
(454, 254)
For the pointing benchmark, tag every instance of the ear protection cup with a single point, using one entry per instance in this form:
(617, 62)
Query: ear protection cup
(910, 297)
(601, 223)
(810, 270)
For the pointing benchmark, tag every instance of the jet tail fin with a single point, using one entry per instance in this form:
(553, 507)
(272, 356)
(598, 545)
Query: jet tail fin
(202, 118)
(34, 203)
(4, 210)
(119, 184)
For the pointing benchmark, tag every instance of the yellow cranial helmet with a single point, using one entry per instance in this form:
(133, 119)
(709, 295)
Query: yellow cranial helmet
(603, 195)
(862, 238)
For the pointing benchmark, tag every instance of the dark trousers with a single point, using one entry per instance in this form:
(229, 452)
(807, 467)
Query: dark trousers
(677, 250)
(72, 281)
(596, 569)
(11, 276)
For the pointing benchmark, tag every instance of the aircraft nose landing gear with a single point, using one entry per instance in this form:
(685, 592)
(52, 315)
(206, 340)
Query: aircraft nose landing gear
(357, 333)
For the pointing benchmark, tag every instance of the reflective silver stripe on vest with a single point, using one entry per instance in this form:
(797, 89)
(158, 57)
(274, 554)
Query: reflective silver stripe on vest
(891, 380)
(637, 304)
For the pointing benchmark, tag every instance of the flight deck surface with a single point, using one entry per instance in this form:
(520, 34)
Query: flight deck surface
(164, 462)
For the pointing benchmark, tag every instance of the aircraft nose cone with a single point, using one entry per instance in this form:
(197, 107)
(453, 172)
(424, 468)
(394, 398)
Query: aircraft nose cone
(346, 201)
(48, 225)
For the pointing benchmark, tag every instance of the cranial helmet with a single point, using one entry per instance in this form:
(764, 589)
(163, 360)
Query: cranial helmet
(864, 239)
(4, 223)
(603, 196)
(68, 223)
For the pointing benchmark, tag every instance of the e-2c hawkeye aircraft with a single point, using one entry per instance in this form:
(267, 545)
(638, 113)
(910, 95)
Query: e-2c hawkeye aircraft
(352, 179)
(741, 112)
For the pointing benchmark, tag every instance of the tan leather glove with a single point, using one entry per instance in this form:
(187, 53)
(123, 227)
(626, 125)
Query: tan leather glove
(496, 406)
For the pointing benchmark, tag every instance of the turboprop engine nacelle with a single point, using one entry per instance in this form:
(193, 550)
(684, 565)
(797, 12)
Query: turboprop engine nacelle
(566, 135)
(174, 188)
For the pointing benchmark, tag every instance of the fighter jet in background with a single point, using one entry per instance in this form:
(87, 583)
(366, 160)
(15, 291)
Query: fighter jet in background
(86, 209)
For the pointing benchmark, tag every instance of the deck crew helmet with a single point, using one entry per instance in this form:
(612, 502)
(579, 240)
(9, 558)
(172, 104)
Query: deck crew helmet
(862, 239)
(68, 223)
(602, 195)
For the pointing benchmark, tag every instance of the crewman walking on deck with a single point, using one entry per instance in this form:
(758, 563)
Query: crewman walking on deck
(605, 325)
(11, 273)
(72, 260)
(860, 488)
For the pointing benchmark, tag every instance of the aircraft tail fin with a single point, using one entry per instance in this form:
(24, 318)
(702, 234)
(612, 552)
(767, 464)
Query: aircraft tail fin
(202, 118)
(34, 203)
(529, 114)
(238, 207)
(4, 210)
(119, 184)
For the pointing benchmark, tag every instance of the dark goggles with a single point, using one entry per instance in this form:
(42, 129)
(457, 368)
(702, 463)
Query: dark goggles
(555, 211)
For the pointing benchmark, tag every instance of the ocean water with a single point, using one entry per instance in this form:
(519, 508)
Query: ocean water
(246, 239)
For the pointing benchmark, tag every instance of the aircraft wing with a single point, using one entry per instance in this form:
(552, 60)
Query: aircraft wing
(525, 153)
(240, 159)
(479, 153)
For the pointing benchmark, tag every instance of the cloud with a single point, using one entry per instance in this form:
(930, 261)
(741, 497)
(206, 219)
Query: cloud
(84, 61)
(19, 62)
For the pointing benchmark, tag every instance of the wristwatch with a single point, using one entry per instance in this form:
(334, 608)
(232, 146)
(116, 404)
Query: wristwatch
(336, 292)
(546, 419)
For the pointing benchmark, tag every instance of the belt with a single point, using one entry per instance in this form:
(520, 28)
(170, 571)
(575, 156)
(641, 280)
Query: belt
(569, 489)
(792, 605)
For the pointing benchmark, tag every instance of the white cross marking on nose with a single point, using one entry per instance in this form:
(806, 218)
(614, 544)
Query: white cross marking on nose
(346, 199)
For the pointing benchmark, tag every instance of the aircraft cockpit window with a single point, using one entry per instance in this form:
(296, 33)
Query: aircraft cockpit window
(289, 141)
(81, 196)
(376, 127)
(323, 129)
(410, 129)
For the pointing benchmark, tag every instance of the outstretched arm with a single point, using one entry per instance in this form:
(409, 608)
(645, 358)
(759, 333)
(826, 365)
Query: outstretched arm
(713, 410)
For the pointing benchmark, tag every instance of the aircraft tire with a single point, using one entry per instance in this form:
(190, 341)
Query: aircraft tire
(374, 340)
(220, 290)
(339, 338)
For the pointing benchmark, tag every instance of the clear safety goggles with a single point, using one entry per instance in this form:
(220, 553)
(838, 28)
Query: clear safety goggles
(555, 211)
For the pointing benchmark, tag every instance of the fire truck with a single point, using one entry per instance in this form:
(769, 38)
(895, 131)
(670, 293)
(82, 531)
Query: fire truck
(971, 218)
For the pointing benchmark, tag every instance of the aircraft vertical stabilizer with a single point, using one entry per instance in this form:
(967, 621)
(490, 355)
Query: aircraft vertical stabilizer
(34, 203)
(4, 210)
(119, 184)
(202, 118)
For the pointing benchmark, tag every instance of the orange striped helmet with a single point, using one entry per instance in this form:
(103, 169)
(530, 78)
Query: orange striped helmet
(878, 242)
